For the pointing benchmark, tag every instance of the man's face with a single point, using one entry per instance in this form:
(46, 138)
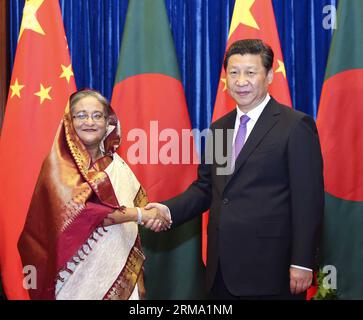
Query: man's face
(247, 81)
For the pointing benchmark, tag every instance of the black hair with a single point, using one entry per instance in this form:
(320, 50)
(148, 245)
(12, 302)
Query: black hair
(251, 46)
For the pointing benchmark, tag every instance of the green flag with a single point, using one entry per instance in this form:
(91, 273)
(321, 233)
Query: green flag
(341, 132)
(149, 100)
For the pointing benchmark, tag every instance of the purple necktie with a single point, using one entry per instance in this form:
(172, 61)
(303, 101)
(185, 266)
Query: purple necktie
(240, 137)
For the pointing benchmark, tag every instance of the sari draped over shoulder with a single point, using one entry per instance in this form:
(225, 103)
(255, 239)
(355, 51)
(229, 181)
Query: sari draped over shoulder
(75, 256)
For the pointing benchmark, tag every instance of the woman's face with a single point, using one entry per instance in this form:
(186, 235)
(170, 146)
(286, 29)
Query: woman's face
(89, 121)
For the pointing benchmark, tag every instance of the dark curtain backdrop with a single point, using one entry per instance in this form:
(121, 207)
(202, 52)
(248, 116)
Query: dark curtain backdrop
(4, 58)
(94, 30)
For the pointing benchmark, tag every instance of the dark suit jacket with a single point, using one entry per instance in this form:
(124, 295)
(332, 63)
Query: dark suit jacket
(266, 215)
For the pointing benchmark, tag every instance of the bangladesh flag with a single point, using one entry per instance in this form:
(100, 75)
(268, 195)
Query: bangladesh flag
(149, 100)
(341, 132)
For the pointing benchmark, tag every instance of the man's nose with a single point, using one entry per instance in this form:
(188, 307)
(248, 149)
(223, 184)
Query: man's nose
(241, 80)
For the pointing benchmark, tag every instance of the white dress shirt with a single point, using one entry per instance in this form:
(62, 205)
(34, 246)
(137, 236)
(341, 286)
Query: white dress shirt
(254, 114)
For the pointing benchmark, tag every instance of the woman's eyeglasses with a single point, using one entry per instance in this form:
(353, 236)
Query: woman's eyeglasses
(95, 116)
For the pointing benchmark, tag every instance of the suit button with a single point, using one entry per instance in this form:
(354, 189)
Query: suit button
(225, 201)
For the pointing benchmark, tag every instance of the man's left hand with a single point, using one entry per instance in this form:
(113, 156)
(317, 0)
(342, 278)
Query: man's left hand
(300, 280)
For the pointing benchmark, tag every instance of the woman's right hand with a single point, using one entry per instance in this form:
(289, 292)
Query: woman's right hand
(111, 218)
(160, 220)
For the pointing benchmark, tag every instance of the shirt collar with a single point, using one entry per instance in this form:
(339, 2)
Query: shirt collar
(255, 113)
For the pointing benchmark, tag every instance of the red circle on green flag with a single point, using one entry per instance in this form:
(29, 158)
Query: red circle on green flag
(340, 125)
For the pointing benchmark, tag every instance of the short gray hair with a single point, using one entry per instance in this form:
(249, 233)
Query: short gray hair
(78, 95)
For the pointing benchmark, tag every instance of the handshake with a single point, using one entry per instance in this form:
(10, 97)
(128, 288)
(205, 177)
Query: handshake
(156, 217)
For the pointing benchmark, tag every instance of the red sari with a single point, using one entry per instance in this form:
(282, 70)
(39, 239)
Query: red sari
(63, 236)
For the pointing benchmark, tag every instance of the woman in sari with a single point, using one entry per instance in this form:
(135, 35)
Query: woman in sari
(81, 232)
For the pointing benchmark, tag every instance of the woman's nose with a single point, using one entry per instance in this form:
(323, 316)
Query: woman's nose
(89, 121)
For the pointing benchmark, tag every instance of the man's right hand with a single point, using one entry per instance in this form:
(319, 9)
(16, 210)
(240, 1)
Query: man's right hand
(162, 220)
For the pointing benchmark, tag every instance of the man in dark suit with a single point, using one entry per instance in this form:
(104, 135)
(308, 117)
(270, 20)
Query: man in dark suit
(265, 215)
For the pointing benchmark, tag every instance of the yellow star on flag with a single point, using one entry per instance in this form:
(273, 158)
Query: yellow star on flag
(15, 89)
(43, 93)
(225, 84)
(30, 21)
(281, 68)
(242, 14)
(67, 72)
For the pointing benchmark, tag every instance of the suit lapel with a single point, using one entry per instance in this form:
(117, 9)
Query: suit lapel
(228, 124)
(266, 121)
(228, 140)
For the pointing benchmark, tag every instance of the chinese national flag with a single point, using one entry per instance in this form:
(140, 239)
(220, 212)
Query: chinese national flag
(254, 19)
(251, 19)
(41, 82)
